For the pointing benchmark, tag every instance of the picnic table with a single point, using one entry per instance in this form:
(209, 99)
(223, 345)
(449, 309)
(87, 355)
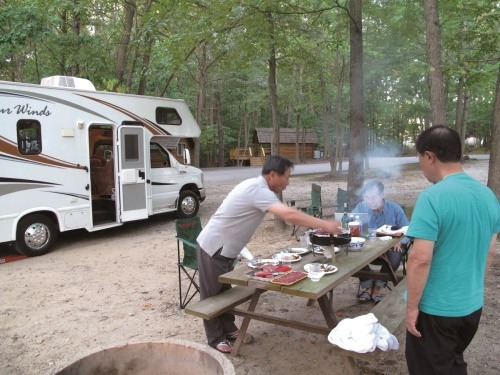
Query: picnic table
(348, 265)
(248, 288)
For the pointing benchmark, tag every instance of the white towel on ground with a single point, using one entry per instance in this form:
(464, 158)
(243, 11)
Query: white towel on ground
(362, 334)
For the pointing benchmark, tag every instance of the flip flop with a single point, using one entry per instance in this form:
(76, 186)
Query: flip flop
(365, 297)
(224, 347)
(378, 298)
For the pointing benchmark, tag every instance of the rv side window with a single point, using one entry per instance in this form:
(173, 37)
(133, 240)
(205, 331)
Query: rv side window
(29, 137)
(131, 147)
(159, 157)
(167, 116)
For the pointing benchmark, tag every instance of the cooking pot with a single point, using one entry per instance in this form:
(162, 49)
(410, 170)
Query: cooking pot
(329, 239)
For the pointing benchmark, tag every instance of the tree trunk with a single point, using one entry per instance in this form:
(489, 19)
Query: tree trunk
(121, 58)
(356, 173)
(327, 119)
(64, 31)
(273, 91)
(131, 68)
(460, 105)
(494, 166)
(339, 125)
(220, 130)
(74, 70)
(297, 137)
(146, 59)
(433, 43)
(465, 111)
(299, 154)
(200, 99)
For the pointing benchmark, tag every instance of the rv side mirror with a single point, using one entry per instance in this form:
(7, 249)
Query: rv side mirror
(187, 156)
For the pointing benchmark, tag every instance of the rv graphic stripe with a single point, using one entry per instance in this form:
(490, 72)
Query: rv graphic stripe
(162, 183)
(53, 99)
(10, 148)
(80, 196)
(8, 179)
(151, 126)
(18, 160)
(14, 185)
(21, 95)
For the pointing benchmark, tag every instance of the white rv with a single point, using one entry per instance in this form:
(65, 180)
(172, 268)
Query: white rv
(75, 158)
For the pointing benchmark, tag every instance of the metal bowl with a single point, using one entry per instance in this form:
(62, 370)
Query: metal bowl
(329, 240)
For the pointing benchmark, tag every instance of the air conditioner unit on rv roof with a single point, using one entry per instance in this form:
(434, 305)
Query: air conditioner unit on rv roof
(73, 82)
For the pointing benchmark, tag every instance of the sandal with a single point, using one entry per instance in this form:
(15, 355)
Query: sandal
(365, 297)
(224, 347)
(378, 298)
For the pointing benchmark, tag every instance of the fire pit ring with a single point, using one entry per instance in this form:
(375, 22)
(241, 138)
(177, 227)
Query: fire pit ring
(169, 357)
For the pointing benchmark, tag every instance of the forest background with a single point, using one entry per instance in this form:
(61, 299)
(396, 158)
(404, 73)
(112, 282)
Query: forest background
(272, 63)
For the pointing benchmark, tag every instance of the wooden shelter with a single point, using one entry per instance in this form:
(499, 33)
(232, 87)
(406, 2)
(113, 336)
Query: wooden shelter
(308, 141)
(176, 146)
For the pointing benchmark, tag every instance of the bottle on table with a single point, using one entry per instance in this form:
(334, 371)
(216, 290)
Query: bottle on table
(345, 219)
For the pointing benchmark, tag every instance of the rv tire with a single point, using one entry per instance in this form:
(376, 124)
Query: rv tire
(188, 205)
(36, 235)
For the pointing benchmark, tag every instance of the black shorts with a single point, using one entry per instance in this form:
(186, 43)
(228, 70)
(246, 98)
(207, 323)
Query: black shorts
(441, 347)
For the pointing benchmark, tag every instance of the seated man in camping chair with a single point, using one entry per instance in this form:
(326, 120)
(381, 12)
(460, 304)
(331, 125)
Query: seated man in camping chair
(381, 212)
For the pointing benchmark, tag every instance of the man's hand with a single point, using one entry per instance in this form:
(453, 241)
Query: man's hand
(411, 321)
(333, 227)
(399, 247)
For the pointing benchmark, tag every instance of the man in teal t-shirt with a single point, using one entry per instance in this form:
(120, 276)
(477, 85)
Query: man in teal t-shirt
(454, 225)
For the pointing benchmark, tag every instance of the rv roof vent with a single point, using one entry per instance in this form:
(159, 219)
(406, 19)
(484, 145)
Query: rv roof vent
(63, 81)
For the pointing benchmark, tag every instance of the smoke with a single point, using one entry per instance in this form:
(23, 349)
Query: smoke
(383, 160)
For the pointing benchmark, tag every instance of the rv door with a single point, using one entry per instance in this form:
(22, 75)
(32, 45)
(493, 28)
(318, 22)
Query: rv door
(132, 161)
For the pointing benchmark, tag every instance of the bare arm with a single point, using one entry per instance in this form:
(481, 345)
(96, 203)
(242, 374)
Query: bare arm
(419, 263)
(300, 218)
(491, 253)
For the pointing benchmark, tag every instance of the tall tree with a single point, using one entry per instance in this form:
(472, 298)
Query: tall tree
(272, 85)
(494, 170)
(356, 173)
(121, 56)
(433, 43)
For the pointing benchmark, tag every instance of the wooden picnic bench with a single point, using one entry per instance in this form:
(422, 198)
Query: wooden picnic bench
(390, 313)
(214, 306)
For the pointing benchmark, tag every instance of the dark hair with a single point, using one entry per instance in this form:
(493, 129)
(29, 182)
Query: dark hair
(442, 141)
(373, 184)
(276, 163)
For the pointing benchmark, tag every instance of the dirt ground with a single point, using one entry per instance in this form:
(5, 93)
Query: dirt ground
(101, 289)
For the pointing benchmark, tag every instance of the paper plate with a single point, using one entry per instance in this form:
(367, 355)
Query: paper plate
(327, 268)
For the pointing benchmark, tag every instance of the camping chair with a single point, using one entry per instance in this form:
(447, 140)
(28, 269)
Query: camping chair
(316, 208)
(341, 199)
(188, 230)
(379, 261)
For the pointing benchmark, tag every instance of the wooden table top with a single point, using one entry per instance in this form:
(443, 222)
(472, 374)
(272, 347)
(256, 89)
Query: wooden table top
(347, 264)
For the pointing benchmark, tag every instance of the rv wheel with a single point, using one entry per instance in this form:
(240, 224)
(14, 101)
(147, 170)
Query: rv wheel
(189, 204)
(36, 234)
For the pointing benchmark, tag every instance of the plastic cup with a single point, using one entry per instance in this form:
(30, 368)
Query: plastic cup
(286, 259)
(315, 272)
(303, 241)
(372, 232)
